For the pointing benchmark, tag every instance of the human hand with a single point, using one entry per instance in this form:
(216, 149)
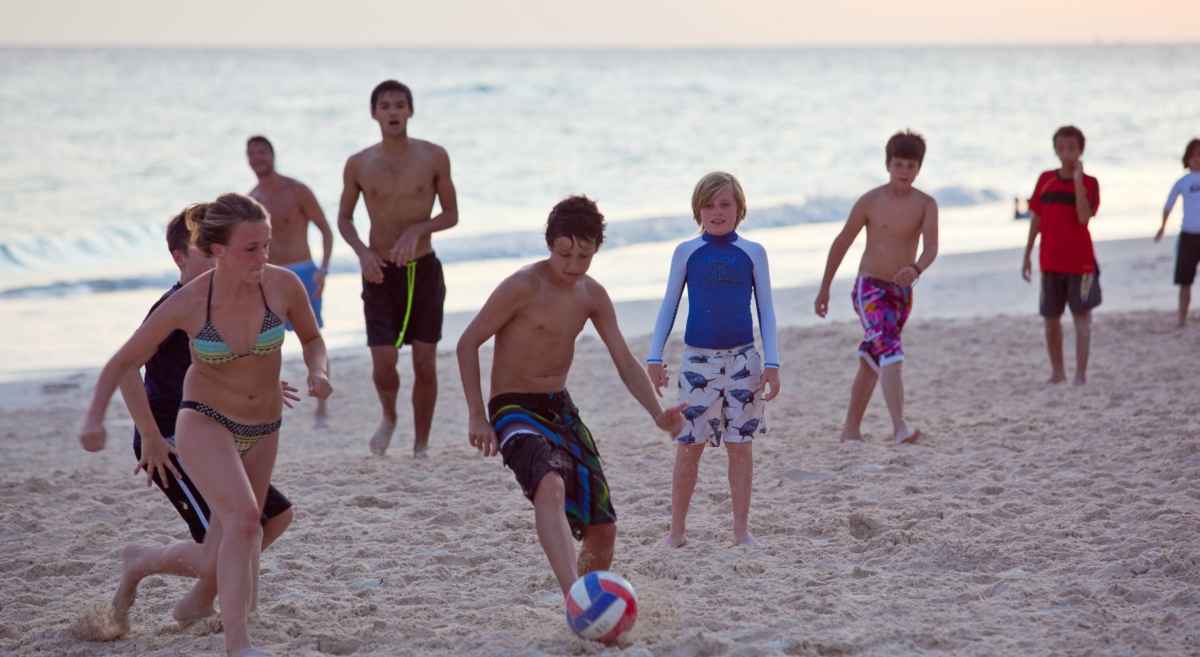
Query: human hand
(671, 420)
(318, 279)
(906, 276)
(1078, 175)
(372, 266)
(821, 305)
(770, 383)
(658, 376)
(405, 248)
(318, 385)
(156, 453)
(483, 436)
(1027, 269)
(92, 435)
(289, 393)
(1159, 235)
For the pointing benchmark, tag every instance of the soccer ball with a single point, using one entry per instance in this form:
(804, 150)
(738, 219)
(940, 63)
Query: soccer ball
(601, 606)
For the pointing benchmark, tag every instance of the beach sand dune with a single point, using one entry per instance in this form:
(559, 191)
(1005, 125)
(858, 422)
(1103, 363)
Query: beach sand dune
(1030, 519)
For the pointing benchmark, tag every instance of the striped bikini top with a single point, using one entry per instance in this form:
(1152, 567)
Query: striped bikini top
(210, 347)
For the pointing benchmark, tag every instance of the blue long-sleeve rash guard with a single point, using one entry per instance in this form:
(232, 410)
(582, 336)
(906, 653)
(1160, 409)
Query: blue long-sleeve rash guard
(720, 274)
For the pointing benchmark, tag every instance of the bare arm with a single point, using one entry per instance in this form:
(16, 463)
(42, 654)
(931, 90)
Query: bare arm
(136, 351)
(837, 252)
(1083, 208)
(506, 301)
(372, 265)
(405, 248)
(604, 318)
(1035, 226)
(155, 448)
(929, 246)
(304, 323)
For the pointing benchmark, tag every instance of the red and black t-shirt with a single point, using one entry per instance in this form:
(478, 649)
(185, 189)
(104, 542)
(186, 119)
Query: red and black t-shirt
(1066, 243)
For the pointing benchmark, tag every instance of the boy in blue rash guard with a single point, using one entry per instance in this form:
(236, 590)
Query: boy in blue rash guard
(722, 379)
(1187, 255)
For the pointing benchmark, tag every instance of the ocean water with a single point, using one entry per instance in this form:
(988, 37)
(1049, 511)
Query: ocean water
(98, 148)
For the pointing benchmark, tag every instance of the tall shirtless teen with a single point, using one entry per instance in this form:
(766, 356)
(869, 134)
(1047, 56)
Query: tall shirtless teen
(292, 205)
(403, 288)
(898, 217)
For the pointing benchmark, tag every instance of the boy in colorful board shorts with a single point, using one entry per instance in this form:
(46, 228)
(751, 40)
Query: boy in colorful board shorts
(154, 408)
(1063, 203)
(1187, 254)
(897, 217)
(722, 382)
(535, 316)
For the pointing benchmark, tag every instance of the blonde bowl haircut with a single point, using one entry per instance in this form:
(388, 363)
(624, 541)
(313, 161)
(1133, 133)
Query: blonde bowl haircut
(214, 222)
(713, 184)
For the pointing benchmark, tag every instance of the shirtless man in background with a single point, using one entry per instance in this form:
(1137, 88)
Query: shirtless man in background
(291, 206)
(403, 288)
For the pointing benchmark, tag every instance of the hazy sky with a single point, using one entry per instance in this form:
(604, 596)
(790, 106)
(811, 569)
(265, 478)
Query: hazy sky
(594, 23)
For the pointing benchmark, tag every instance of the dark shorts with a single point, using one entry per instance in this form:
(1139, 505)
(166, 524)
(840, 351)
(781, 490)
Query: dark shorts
(1187, 257)
(1081, 292)
(191, 505)
(540, 433)
(386, 304)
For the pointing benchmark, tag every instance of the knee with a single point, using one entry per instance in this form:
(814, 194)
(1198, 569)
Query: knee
(244, 524)
(551, 487)
(425, 369)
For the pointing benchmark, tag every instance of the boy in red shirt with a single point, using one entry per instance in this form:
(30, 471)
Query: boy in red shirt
(1063, 203)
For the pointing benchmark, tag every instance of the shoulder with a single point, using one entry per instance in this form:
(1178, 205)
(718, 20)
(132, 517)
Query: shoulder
(751, 247)
(873, 195)
(684, 248)
(281, 277)
(595, 293)
(429, 149)
(926, 199)
(363, 157)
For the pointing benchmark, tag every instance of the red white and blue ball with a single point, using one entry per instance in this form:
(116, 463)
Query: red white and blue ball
(601, 606)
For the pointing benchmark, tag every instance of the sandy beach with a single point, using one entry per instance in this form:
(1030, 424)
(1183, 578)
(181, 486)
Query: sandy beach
(1031, 519)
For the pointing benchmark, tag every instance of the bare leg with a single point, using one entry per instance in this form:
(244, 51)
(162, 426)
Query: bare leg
(683, 484)
(553, 531)
(860, 396)
(424, 397)
(198, 603)
(321, 417)
(596, 553)
(741, 482)
(892, 382)
(1054, 347)
(1083, 344)
(234, 488)
(387, 385)
(1185, 300)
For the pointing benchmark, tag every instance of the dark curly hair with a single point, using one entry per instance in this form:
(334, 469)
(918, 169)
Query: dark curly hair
(578, 218)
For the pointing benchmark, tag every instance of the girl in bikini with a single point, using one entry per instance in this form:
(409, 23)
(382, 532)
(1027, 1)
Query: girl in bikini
(227, 432)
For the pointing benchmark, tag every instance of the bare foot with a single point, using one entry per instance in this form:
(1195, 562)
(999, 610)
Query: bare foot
(132, 564)
(1080, 379)
(907, 437)
(382, 437)
(192, 608)
(672, 541)
(851, 436)
(250, 652)
(1057, 378)
(744, 538)
(320, 422)
(421, 454)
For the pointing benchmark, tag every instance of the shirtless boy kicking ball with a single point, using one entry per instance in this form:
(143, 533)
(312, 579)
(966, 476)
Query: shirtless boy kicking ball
(535, 316)
(897, 217)
(403, 287)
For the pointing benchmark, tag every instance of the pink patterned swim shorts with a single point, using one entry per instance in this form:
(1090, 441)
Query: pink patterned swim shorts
(882, 307)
